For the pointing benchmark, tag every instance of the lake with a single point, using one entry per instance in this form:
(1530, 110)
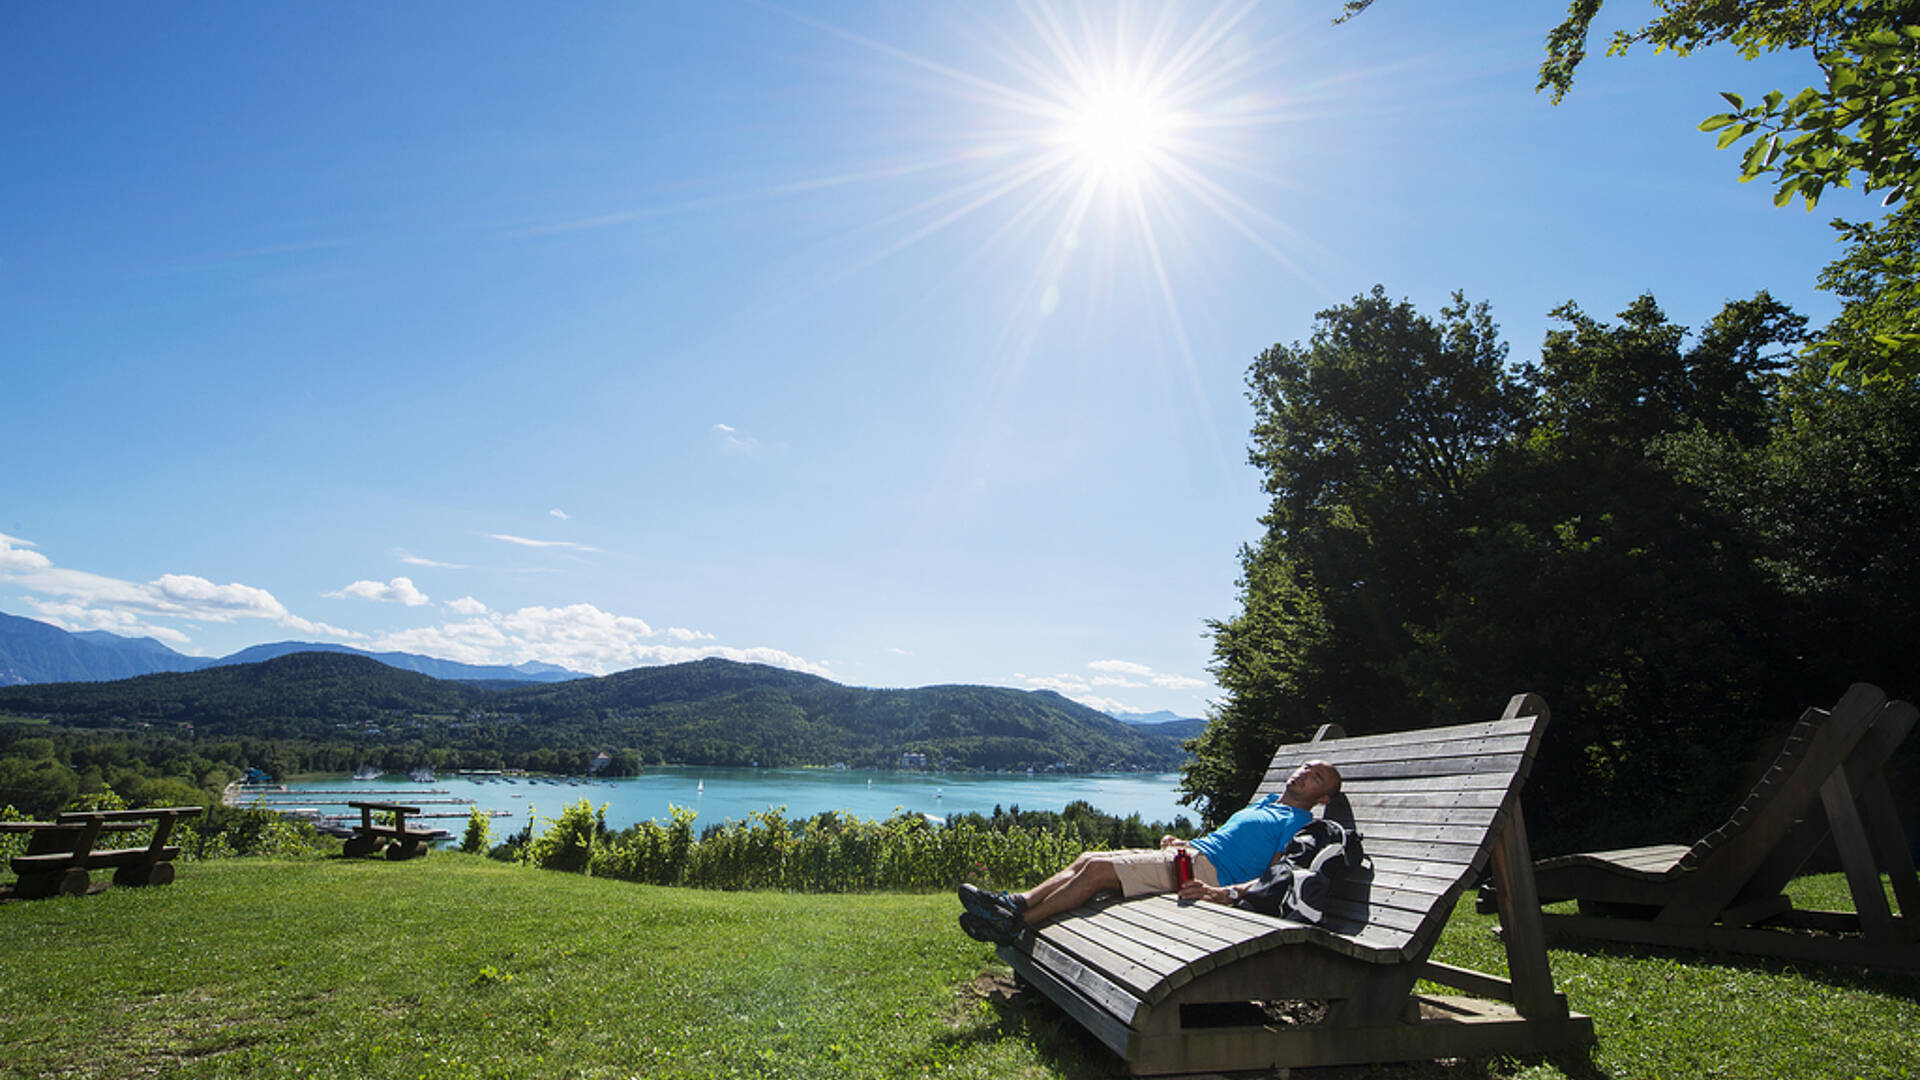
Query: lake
(718, 794)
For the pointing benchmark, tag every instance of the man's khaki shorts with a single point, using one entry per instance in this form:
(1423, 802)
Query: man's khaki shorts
(1143, 872)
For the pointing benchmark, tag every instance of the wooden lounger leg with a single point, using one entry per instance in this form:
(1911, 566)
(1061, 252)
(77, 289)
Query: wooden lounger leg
(1856, 856)
(1520, 927)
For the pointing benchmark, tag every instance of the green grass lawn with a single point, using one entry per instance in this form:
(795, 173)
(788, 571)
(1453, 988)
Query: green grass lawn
(454, 966)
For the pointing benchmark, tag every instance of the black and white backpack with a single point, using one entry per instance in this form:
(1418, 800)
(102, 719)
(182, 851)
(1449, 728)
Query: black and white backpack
(1296, 885)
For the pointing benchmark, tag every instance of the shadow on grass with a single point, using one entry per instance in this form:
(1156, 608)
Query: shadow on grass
(1024, 1015)
(1058, 1040)
(1896, 984)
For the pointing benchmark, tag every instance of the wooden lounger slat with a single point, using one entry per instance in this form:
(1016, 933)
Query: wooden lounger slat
(1416, 737)
(1126, 967)
(1443, 850)
(1197, 934)
(1415, 785)
(1355, 757)
(1431, 767)
(1429, 800)
(1426, 831)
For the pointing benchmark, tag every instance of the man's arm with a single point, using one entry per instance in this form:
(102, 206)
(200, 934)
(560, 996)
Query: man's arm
(1218, 894)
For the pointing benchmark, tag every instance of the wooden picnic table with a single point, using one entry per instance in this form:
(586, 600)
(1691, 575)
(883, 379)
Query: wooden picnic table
(60, 853)
(399, 841)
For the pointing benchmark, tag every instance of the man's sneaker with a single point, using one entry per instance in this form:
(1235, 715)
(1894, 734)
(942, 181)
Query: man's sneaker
(976, 928)
(996, 911)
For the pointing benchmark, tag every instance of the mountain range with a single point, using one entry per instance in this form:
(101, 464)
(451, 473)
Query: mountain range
(35, 652)
(705, 712)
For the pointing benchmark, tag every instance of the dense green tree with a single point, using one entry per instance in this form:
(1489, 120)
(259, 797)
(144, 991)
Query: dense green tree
(1831, 507)
(1877, 333)
(1371, 439)
(1570, 553)
(1609, 584)
(36, 787)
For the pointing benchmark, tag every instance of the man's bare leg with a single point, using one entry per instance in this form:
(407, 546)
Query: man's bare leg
(1070, 888)
(1040, 892)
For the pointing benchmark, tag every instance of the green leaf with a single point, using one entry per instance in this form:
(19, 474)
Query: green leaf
(1733, 99)
(1718, 121)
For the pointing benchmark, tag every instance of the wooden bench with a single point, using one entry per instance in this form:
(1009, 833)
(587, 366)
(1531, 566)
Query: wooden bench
(1182, 988)
(1724, 892)
(60, 853)
(399, 841)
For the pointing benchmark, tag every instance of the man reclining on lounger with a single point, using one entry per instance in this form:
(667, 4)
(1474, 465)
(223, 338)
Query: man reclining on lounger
(1239, 851)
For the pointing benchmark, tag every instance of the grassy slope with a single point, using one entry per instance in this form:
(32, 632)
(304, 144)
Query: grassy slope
(453, 967)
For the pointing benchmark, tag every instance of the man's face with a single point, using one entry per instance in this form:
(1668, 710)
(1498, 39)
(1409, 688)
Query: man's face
(1313, 782)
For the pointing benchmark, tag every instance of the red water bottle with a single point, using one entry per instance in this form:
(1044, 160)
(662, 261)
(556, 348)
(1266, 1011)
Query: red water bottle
(1182, 866)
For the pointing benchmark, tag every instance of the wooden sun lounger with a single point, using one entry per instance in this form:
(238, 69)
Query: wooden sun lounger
(1152, 978)
(1723, 893)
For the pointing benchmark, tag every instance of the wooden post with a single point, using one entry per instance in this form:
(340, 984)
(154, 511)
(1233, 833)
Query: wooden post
(1856, 856)
(1890, 844)
(1521, 930)
(1518, 898)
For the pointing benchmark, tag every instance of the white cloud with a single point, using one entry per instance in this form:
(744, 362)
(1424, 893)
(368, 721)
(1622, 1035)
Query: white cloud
(1074, 688)
(182, 596)
(1129, 674)
(318, 629)
(1113, 674)
(733, 442)
(524, 542)
(898, 651)
(124, 623)
(96, 601)
(577, 636)
(399, 590)
(559, 513)
(15, 558)
(474, 642)
(417, 560)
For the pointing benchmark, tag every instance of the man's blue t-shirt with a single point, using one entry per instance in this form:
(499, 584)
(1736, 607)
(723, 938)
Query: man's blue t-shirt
(1242, 848)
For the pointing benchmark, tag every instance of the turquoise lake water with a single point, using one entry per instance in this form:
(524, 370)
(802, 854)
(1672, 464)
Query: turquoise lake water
(717, 794)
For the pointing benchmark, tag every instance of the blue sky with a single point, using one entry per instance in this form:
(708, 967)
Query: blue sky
(900, 343)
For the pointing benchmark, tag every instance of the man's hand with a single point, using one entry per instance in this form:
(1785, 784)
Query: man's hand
(1170, 841)
(1200, 890)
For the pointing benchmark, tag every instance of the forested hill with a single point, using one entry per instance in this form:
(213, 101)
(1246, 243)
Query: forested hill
(706, 712)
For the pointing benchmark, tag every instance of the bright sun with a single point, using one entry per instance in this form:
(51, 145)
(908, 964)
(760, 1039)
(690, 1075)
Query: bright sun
(1119, 134)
